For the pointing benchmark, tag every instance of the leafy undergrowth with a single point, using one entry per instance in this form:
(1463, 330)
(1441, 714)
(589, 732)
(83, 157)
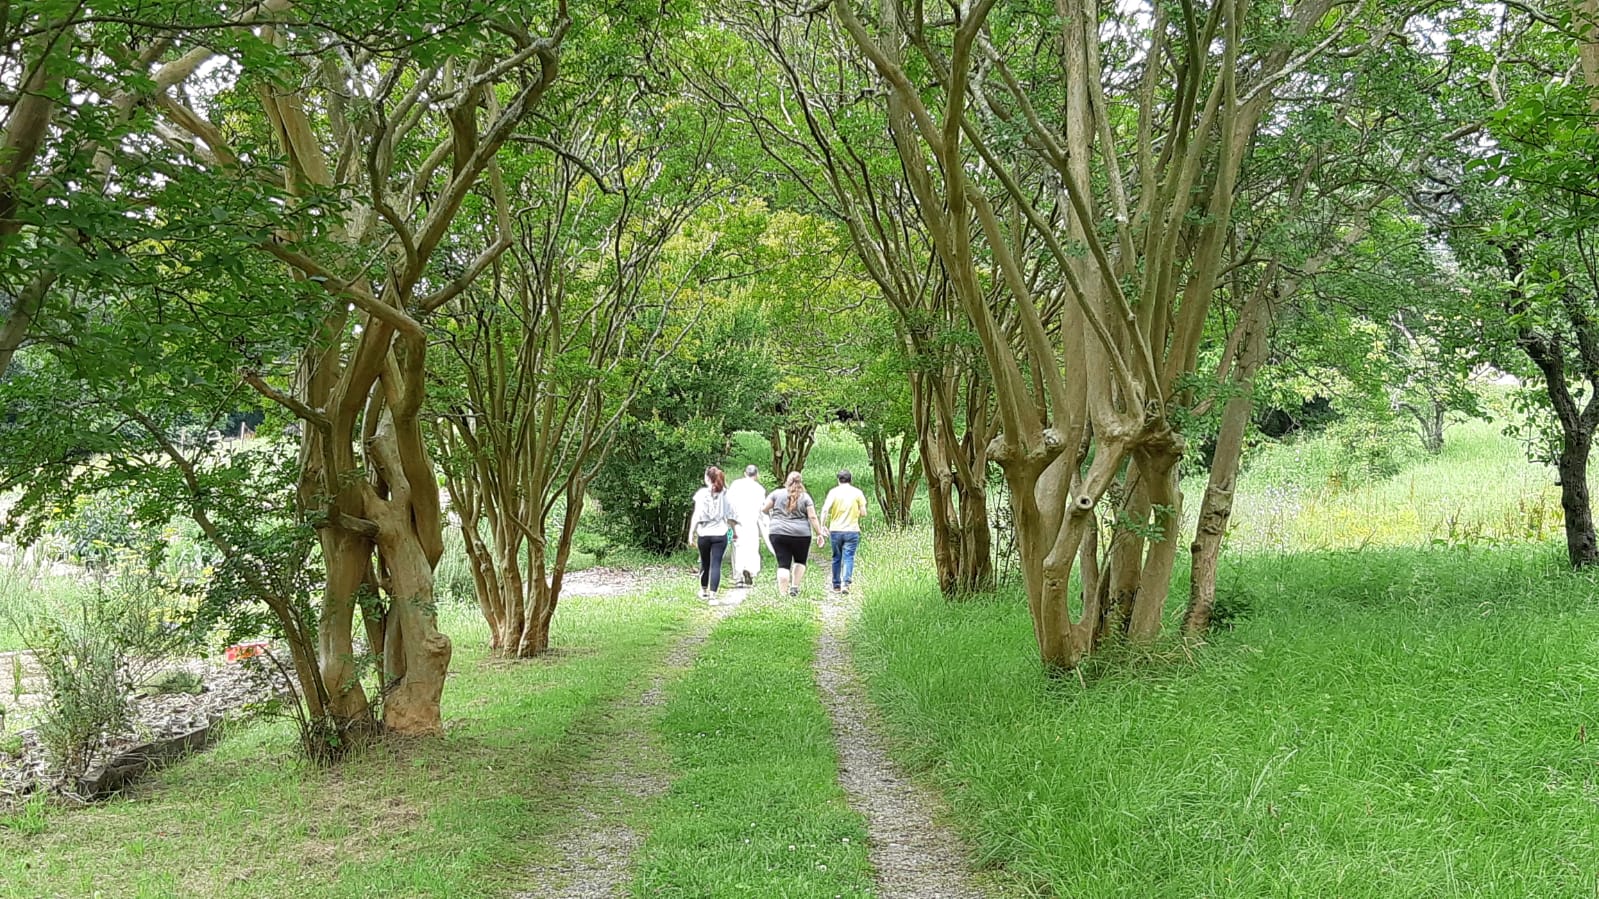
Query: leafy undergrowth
(455, 816)
(755, 809)
(1387, 724)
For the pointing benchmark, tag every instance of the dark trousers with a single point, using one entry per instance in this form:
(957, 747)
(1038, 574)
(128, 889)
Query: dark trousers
(711, 551)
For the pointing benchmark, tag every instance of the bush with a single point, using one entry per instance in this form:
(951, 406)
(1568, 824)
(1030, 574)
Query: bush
(172, 682)
(99, 530)
(684, 418)
(94, 649)
(1370, 448)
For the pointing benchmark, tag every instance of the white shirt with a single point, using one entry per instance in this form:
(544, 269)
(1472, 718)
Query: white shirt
(746, 496)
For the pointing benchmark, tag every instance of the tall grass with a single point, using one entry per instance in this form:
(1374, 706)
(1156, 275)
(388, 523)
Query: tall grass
(1390, 723)
(27, 595)
(1479, 489)
(1403, 709)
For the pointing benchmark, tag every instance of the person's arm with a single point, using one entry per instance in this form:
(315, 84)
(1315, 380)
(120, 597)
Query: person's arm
(832, 497)
(816, 526)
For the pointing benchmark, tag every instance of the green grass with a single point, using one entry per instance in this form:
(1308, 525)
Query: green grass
(22, 595)
(755, 809)
(1388, 723)
(836, 447)
(1480, 489)
(454, 816)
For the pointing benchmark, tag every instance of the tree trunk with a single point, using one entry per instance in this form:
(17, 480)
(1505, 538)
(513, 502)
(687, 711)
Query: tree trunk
(1216, 508)
(1431, 419)
(416, 654)
(485, 586)
(541, 601)
(1582, 549)
(791, 446)
(349, 559)
(957, 500)
(894, 480)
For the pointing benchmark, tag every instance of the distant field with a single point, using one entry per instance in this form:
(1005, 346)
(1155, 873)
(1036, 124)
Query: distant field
(1479, 489)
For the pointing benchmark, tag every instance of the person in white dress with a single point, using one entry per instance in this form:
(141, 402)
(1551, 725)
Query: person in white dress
(747, 496)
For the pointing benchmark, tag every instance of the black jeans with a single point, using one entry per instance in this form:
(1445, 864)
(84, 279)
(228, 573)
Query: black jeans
(711, 550)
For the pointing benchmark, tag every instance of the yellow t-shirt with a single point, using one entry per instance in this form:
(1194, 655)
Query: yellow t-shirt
(843, 508)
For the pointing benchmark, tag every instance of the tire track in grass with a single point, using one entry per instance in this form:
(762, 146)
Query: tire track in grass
(913, 854)
(755, 808)
(597, 850)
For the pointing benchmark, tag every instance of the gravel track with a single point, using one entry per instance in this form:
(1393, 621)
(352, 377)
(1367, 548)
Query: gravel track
(913, 854)
(598, 848)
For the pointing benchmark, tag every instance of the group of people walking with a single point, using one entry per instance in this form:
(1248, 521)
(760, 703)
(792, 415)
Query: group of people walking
(785, 521)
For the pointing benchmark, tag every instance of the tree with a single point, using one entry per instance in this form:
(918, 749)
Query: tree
(79, 155)
(338, 149)
(884, 423)
(123, 410)
(712, 384)
(809, 104)
(801, 282)
(1138, 171)
(1514, 198)
(551, 350)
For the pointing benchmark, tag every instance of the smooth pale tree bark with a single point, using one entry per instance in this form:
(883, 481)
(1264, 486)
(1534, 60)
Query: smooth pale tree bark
(1084, 396)
(1216, 506)
(367, 479)
(1246, 351)
(27, 126)
(956, 465)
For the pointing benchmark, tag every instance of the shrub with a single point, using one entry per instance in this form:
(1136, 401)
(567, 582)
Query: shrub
(172, 682)
(93, 649)
(1370, 448)
(683, 419)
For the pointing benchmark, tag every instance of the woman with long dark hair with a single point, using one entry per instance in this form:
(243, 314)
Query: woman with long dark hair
(793, 521)
(707, 529)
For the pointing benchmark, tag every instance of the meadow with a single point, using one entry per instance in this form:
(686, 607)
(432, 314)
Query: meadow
(1402, 700)
(1400, 707)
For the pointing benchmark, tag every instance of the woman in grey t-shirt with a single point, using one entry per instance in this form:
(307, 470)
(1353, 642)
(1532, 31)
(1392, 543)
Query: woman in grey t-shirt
(793, 522)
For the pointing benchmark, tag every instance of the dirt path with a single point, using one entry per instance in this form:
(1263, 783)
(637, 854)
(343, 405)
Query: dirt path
(913, 855)
(597, 848)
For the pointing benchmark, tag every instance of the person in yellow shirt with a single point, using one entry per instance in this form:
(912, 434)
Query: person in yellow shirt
(843, 510)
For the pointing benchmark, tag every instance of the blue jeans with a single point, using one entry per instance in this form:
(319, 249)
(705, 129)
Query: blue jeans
(845, 543)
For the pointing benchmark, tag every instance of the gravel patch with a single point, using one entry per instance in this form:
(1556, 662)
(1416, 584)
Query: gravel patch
(913, 855)
(598, 850)
(603, 582)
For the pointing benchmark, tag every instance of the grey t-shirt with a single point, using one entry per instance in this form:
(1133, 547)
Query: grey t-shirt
(786, 523)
